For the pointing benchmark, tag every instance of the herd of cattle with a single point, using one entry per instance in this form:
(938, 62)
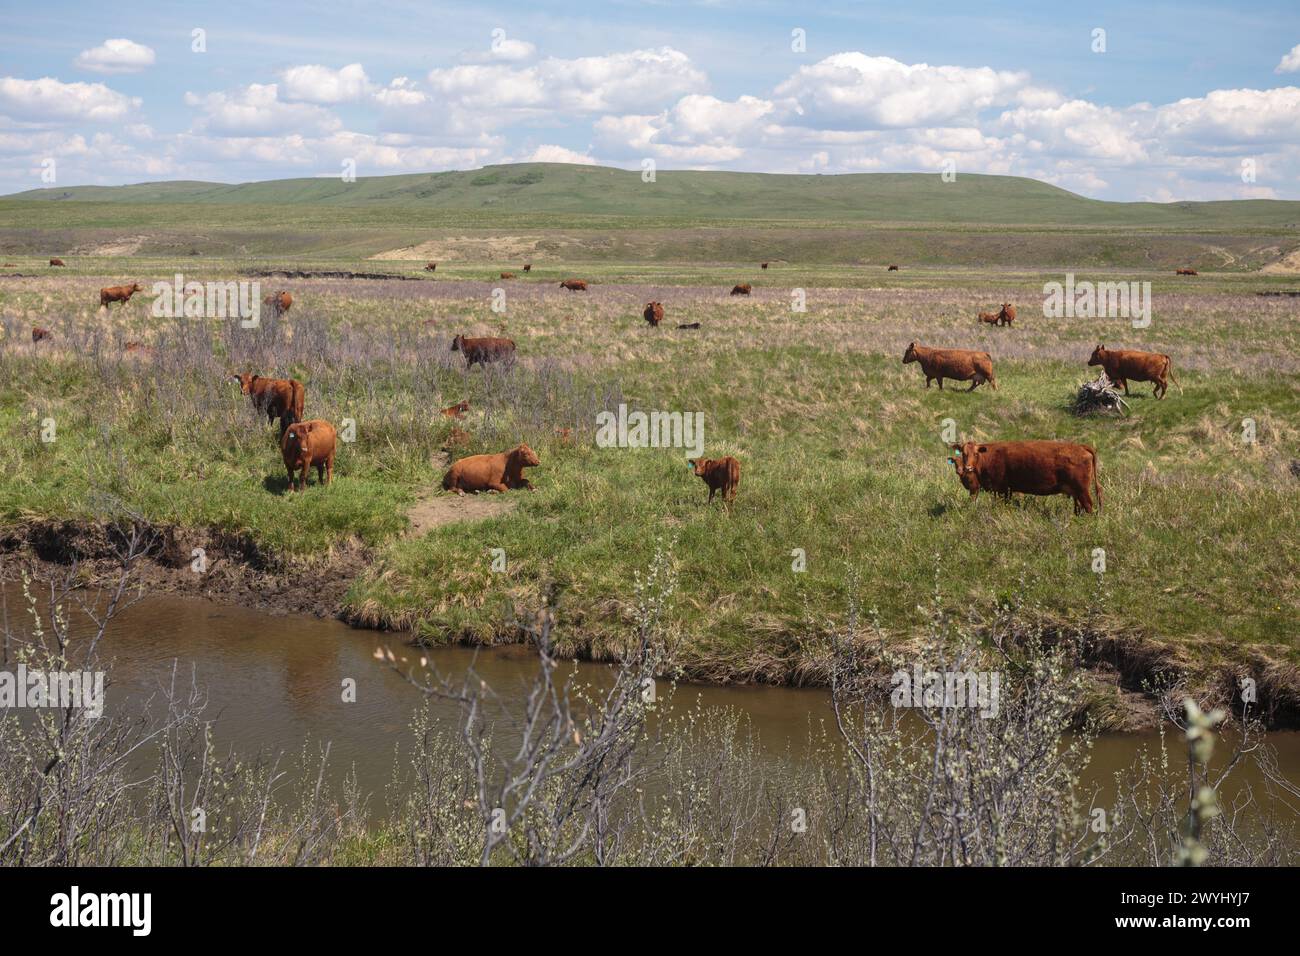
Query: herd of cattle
(1003, 467)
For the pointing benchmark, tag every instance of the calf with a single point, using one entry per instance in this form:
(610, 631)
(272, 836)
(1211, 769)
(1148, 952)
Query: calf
(499, 472)
(277, 397)
(304, 444)
(118, 293)
(1121, 365)
(39, 334)
(279, 302)
(57, 262)
(720, 474)
(431, 267)
(1030, 467)
(507, 275)
(457, 411)
(574, 285)
(741, 289)
(961, 365)
(1007, 314)
(484, 350)
(528, 267)
(654, 313)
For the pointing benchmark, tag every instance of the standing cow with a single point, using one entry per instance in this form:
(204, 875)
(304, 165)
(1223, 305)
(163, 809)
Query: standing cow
(1007, 314)
(654, 312)
(962, 365)
(118, 293)
(307, 444)
(1031, 468)
(1121, 365)
(720, 474)
(481, 351)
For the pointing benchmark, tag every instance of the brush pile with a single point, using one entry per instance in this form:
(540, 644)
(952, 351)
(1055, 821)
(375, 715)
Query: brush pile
(1098, 396)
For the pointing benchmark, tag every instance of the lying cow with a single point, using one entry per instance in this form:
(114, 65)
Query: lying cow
(57, 262)
(484, 350)
(1186, 272)
(118, 293)
(277, 397)
(962, 365)
(1031, 468)
(499, 472)
(1123, 365)
(1007, 315)
(574, 285)
(990, 318)
(507, 275)
(741, 289)
(457, 411)
(140, 349)
(279, 302)
(307, 444)
(39, 334)
(720, 474)
(654, 312)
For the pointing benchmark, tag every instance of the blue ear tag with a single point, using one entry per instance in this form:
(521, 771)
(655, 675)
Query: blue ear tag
(690, 465)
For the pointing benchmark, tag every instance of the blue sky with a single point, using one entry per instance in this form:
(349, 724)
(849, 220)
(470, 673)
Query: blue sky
(1185, 102)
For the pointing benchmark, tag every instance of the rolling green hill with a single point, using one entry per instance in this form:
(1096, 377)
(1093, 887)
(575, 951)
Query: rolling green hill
(551, 188)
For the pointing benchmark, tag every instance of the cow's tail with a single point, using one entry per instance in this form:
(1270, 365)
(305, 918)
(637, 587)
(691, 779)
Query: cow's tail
(1169, 370)
(1096, 483)
(299, 396)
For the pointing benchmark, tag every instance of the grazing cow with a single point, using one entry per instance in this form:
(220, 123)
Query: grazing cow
(990, 318)
(457, 411)
(279, 302)
(431, 267)
(1007, 314)
(275, 396)
(39, 334)
(961, 365)
(499, 472)
(1186, 272)
(574, 285)
(57, 262)
(654, 312)
(720, 474)
(1030, 467)
(507, 275)
(689, 325)
(741, 289)
(892, 269)
(304, 444)
(118, 293)
(528, 267)
(1121, 365)
(484, 350)
(763, 265)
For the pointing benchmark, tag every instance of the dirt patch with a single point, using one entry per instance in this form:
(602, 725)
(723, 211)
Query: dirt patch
(1287, 265)
(469, 248)
(121, 246)
(445, 508)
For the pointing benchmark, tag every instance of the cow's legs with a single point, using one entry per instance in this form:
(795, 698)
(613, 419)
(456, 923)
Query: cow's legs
(941, 383)
(329, 470)
(973, 383)
(711, 493)
(927, 381)
(320, 472)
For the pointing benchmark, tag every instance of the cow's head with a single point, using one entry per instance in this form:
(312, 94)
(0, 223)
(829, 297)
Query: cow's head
(699, 466)
(245, 381)
(299, 431)
(910, 354)
(526, 457)
(457, 342)
(1098, 354)
(966, 462)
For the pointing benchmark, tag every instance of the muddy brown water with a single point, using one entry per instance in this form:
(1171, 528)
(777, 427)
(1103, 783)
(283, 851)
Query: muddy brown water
(274, 682)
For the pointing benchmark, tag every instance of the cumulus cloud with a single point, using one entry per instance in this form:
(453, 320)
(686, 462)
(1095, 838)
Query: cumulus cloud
(320, 84)
(1232, 118)
(257, 109)
(547, 153)
(1291, 62)
(47, 100)
(506, 49)
(115, 56)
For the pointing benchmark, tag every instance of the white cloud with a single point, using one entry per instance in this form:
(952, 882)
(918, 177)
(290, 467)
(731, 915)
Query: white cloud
(1232, 118)
(400, 92)
(48, 100)
(1291, 62)
(558, 154)
(257, 110)
(1078, 128)
(506, 49)
(320, 84)
(115, 56)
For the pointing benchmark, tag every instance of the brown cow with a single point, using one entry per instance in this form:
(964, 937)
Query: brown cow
(57, 262)
(565, 436)
(990, 318)
(499, 472)
(1007, 314)
(484, 350)
(574, 285)
(139, 348)
(431, 267)
(457, 411)
(507, 275)
(275, 396)
(741, 289)
(39, 334)
(279, 302)
(1121, 365)
(304, 444)
(118, 293)
(720, 474)
(654, 312)
(1030, 467)
(892, 269)
(763, 265)
(528, 267)
(1186, 272)
(962, 365)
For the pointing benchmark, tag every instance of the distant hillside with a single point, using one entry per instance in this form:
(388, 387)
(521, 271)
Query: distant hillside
(569, 190)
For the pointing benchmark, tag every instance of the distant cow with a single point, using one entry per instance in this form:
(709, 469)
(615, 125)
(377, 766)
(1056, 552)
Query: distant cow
(961, 365)
(763, 265)
(564, 436)
(507, 275)
(1186, 272)
(1007, 314)
(990, 318)
(574, 285)
(499, 472)
(1123, 365)
(431, 267)
(528, 267)
(1030, 467)
(484, 350)
(275, 396)
(892, 269)
(279, 302)
(456, 411)
(139, 348)
(118, 293)
(456, 438)
(39, 334)
(741, 289)
(307, 444)
(654, 312)
(57, 262)
(720, 474)
(689, 325)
